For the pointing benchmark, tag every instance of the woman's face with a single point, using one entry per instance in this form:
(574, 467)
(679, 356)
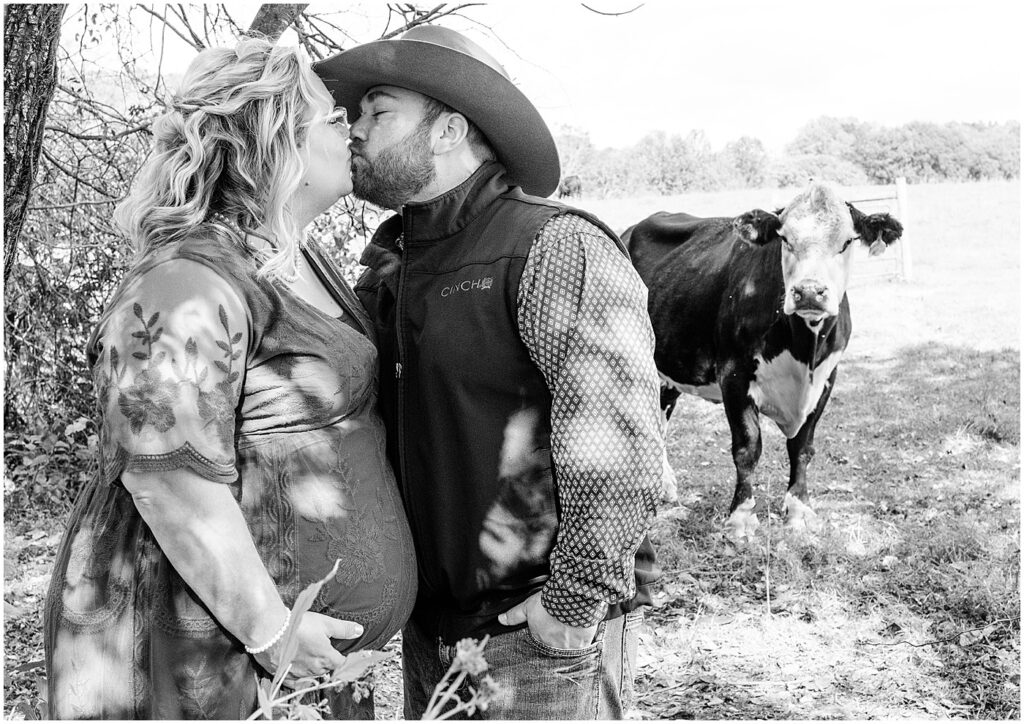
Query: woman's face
(328, 174)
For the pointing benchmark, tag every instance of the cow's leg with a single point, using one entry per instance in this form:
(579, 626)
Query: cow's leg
(744, 424)
(801, 451)
(669, 484)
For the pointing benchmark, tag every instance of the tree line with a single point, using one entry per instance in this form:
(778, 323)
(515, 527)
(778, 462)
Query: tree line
(845, 151)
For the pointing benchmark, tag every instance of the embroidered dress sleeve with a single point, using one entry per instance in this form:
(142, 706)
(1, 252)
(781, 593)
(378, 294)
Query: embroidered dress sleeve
(169, 368)
(582, 313)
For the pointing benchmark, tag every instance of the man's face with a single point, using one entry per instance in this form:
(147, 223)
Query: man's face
(392, 154)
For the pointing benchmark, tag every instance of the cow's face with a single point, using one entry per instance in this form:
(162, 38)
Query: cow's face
(816, 232)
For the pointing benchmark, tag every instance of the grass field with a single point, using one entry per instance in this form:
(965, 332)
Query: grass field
(905, 603)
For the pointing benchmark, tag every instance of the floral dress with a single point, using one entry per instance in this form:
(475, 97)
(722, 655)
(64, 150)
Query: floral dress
(199, 363)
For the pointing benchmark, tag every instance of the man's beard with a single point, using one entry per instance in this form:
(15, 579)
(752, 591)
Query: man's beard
(398, 173)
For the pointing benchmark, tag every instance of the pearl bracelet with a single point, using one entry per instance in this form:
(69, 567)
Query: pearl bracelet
(274, 640)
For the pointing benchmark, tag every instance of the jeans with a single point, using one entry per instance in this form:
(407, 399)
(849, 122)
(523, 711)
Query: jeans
(536, 681)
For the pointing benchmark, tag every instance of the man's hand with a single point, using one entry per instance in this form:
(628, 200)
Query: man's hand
(546, 628)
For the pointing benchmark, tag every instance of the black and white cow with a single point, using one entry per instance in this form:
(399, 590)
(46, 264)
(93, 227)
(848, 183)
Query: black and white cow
(752, 312)
(570, 186)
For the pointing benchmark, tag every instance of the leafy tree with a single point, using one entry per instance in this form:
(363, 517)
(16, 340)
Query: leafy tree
(747, 158)
(826, 136)
(575, 149)
(797, 170)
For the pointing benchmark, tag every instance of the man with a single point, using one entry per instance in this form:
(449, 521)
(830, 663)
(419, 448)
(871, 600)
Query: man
(517, 382)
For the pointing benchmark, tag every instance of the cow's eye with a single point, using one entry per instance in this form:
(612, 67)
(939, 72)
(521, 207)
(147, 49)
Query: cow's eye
(785, 242)
(846, 244)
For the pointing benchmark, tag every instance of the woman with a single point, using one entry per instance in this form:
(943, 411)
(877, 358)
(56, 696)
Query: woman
(241, 454)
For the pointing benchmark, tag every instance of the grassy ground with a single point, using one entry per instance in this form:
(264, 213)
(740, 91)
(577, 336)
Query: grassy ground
(904, 603)
(918, 541)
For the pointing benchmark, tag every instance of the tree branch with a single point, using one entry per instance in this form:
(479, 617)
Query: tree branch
(197, 42)
(625, 12)
(49, 157)
(954, 637)
(314, 20)
(74, 205)
(272, 19)
(97, 108)
(308, 40)
(235, 27)
(139, 128)
(422, 17)
(166, 22)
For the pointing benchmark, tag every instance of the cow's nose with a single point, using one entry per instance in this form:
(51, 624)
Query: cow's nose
(810, 293)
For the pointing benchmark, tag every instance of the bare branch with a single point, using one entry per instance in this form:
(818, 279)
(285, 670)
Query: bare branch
(139, 128)
(314, 20)
(160, 60)
(183, 17)
(102, 111)
(309, 39)
(235, 27)
(954, 637)
(193, 41)
(206, 23)
(315, 36)
(75, 204)
(625, 12)
(85, 182)
(414, 17)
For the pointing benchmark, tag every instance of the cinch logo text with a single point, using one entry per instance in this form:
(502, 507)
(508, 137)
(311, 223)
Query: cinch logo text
(467, 285)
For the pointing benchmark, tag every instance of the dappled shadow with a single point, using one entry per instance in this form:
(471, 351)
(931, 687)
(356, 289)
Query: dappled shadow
(916, 488)
(937, 387)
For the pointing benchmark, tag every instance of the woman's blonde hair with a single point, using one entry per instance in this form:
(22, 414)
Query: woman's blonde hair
(230, 146)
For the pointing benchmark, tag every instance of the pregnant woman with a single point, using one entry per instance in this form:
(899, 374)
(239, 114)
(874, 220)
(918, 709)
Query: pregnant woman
(241, 454)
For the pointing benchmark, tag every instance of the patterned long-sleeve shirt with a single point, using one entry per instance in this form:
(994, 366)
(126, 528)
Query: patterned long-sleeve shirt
(582, 314)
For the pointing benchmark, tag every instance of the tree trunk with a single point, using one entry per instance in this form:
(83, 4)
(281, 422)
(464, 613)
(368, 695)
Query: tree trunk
(31, 34)
(272, 19)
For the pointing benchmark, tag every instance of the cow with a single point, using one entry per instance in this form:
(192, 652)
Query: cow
(752, 312)
(570, 186)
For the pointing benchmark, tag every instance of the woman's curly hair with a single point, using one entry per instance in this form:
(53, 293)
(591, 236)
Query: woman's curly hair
(229, 146)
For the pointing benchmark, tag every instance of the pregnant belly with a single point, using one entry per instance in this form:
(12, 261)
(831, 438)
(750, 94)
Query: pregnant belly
(374, 583)
(331, 498)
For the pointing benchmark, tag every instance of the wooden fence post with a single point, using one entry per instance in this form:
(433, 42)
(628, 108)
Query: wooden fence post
(906, 258)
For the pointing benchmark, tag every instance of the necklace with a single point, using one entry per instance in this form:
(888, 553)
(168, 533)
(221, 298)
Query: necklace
(262, 252)
(219, 218)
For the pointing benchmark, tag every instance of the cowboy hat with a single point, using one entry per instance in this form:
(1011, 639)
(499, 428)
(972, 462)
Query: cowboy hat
(451, 68)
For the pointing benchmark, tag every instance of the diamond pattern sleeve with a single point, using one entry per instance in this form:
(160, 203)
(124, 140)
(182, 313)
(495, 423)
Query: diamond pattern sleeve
(172, 351)
(582, 314)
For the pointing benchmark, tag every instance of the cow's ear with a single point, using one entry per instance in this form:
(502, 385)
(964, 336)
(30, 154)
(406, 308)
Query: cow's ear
(757, 227)
(873, 228)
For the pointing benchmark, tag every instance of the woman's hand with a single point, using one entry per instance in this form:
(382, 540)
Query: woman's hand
(315, 654)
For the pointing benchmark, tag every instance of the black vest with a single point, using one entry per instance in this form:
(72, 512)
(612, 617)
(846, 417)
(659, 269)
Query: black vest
(467, 411)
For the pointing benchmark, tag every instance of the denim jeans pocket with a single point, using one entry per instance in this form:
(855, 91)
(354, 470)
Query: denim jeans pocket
(552, 651)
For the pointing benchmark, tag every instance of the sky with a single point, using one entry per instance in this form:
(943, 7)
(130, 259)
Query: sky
(733, 68)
